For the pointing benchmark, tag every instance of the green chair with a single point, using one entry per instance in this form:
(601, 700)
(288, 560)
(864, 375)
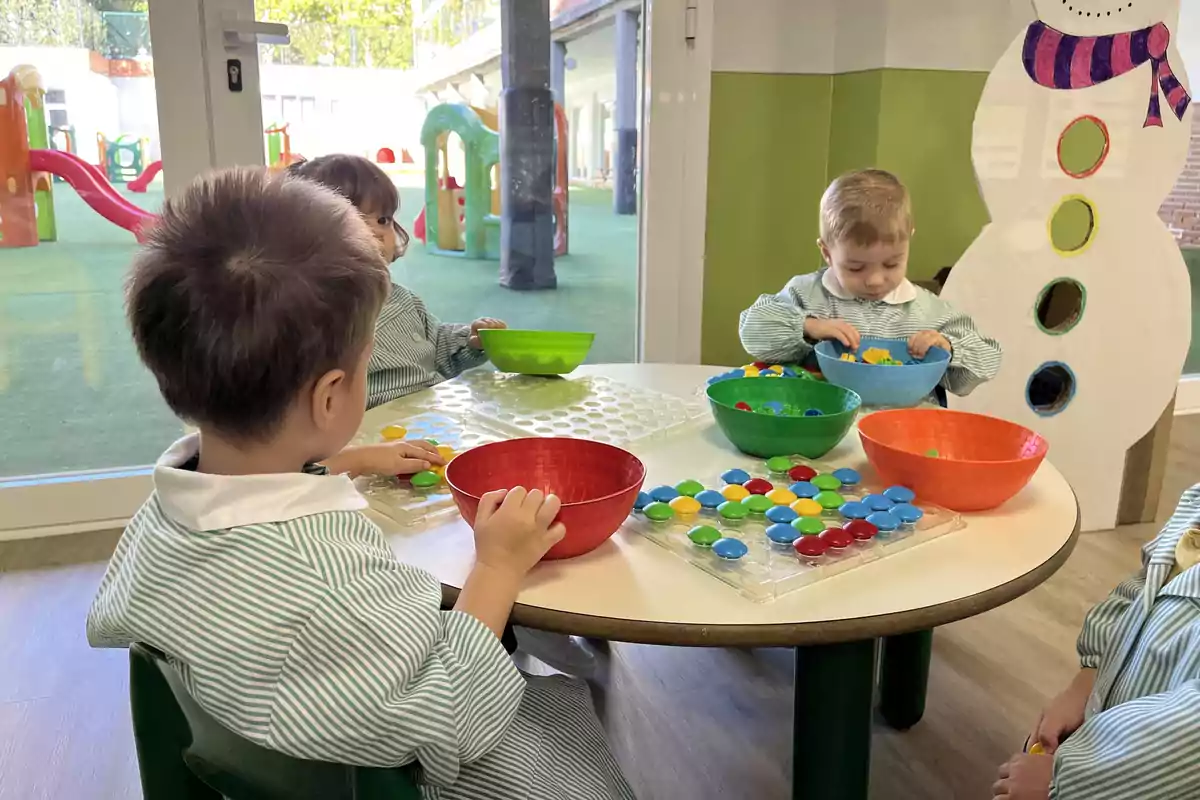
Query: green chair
(185, 754)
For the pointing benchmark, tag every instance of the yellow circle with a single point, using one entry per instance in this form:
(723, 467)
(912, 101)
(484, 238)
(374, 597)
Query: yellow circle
(393, 432)
(445, 451)
(1072, 225)
(685, 505)
(437, 470)
(807, 507)
(735, 493)
(1036, 749)
(781, 497)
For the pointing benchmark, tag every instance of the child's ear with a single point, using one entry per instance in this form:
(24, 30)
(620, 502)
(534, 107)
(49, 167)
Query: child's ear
(326, 397)
(824, 252)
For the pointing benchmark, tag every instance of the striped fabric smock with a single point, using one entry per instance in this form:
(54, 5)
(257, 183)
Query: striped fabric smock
(414, 351)
(772, 330)
(1139, 735)
(292, 623)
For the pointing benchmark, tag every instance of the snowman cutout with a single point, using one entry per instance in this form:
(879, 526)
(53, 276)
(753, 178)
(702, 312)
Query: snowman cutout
(1081, 131)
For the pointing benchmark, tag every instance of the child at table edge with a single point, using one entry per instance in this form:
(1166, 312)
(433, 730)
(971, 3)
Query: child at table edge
(866, 227)
(257, 573)
(413, 349)
(1125, 727)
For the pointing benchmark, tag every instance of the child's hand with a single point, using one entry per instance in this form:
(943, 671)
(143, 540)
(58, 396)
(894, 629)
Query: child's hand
(821, 329)
(387, 458)
(919, 343)
(484, 324)
(1024, 777)
(1064, 715)
(515, 528)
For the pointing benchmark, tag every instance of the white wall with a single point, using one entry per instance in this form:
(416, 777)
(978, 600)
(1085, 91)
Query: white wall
(1187, 39)
(137, 112)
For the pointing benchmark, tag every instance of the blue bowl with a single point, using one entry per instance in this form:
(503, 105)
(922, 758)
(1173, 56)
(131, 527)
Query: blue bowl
(877, 385)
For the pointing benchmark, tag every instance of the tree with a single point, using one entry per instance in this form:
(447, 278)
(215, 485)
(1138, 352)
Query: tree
(342, 33)
(51, 23)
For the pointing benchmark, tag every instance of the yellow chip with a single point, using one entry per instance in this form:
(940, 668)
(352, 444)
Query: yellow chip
(445, 451)
(806, 507)
(1036, 749)
(778, 368)
(393, 432)
(735, 493)
(751, 372)
(439, 471)
(685, 505)
(781, 497)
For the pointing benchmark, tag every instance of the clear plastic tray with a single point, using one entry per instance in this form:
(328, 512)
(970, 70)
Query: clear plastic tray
(770, 570)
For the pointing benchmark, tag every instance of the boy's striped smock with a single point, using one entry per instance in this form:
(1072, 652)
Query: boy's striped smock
(414, 351)
(772, 330)
(1139, 738)
(292, 623)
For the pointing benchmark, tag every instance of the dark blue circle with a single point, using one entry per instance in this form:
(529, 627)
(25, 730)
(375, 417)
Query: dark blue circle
(642, 501)
(899, 494)
(848, 477)
(804, 489)
(884, 520)
(730, 549)
(855, 510)
(782, 534)
(781, 514)
(906, 512)
(738, 476)
(709, 498)
(877, 502)
(663, 494)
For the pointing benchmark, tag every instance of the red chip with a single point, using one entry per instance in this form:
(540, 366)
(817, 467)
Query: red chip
(758, 486)
(810, 546)
(802, 472)
(742, 405)
(837, 538)
(860, 529)
(759, 365)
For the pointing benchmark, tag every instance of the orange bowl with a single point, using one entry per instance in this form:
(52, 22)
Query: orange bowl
(961, 461)
(597, 483)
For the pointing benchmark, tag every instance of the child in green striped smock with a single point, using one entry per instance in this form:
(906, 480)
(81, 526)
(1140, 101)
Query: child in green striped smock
(252, 565)
(413, 350)
(1126, 725)
(866, 226)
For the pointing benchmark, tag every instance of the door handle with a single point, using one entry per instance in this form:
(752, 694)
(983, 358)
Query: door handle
(239, 32)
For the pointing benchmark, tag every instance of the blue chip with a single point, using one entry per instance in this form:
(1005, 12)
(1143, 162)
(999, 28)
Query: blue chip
(710, 499)
(730, 549)
(788, 372)
(906, 512)
(782, 534)
(884, 520)
(774, 405)
(642, 501)
(736, 373)
(814, 412)
(738, 476)
(855, 510)
(848, 477)
(900, 494)
(663, 494)
(804, 489)
(781, 514)
(877, 502)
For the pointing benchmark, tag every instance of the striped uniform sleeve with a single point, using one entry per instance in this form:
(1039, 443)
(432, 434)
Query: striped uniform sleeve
(380, 676)
(975, 358)
(454, 355)
(772, 330)
(1143, 748)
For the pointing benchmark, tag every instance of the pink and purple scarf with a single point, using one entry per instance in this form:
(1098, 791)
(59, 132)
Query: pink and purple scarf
(1058, 60)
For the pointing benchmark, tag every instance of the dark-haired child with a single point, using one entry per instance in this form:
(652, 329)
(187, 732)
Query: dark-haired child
(254, 303)
(413, 350)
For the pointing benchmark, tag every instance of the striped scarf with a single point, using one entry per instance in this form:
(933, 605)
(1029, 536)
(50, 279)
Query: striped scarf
(1058, 60)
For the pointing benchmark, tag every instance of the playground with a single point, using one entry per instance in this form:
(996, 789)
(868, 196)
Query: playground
(67, 363)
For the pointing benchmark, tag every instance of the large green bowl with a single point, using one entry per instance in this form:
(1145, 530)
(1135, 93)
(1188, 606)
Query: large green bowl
(536, 352)
(765, 435)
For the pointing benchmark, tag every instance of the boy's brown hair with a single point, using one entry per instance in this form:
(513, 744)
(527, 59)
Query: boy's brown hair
(250, 287)
(866, 207)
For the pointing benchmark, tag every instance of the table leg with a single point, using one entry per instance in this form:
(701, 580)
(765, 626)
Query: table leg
(904, 678)
(831, 736)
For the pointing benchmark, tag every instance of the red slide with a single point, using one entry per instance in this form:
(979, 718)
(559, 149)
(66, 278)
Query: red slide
(140, 183)
(95, 190)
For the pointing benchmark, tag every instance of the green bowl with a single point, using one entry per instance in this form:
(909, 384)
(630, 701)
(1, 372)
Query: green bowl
(536, 352)
(764, 435)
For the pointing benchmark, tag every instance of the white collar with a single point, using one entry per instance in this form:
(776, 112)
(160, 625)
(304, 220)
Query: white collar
(904, 293)
(203, 502)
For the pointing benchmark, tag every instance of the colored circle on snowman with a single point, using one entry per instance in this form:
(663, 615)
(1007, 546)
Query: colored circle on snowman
(1072, 225)
(1083, 146)
(1060, 306)
(1050, 388)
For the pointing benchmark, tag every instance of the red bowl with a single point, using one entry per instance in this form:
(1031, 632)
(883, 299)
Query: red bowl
(597, 483)
(981, 461)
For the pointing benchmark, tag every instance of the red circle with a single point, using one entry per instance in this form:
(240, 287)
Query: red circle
(810, 546)
(860, 529)
(837, 538)
(802, 472)
(1103, 153)
(758, 486)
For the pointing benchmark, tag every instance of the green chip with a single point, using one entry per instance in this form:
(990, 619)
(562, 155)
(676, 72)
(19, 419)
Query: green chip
(830, 500)
(758, 504)
(809, 526)
(826, 483)
(659, 512)
(704, 535)
(689, 488)
(425, 479)
(779, 464)
(731, 510)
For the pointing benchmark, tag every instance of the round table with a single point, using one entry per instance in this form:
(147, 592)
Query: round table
(632, 590)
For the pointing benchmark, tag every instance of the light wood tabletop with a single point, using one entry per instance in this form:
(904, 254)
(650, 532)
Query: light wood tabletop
(630, 589)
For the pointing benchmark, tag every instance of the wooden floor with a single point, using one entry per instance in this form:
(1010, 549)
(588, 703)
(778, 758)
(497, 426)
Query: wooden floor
(684, 723)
